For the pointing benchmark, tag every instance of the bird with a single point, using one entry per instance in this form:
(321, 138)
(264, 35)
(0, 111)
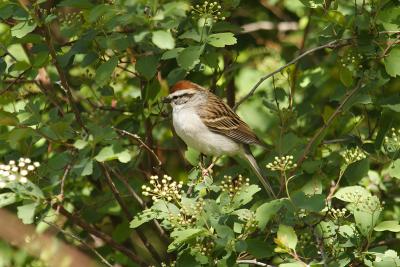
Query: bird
(204, 122)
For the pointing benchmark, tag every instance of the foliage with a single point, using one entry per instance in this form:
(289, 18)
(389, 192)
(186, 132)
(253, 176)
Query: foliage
(81, 90)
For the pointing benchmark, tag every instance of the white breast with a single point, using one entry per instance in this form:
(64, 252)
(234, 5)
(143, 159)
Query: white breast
(195, 134)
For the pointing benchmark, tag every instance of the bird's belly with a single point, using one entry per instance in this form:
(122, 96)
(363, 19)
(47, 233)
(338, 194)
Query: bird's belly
(195, 134)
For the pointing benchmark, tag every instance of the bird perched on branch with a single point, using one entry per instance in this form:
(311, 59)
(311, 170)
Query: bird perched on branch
(207, 124)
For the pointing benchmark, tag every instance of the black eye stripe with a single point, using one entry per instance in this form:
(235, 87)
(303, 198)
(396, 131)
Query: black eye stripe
(182, 95)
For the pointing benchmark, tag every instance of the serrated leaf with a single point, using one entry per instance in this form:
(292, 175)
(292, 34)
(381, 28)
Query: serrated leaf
(163, 39)
(392, 226)
(189, 57)
(352, 193)
(286, 236)
(392, 62)
(182, 236)
(221, 39)
(143, 217)
(26, 213)
(7, 199)
(266, 211)
(245, 195)
(7, 118)
(105, 70)
(23, 28)
(147, 66)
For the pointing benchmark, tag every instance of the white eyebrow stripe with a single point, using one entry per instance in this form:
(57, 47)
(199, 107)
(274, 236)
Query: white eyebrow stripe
(182, 92)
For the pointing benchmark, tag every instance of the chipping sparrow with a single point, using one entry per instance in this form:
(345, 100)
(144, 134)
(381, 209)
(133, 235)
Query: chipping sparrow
(207, 124)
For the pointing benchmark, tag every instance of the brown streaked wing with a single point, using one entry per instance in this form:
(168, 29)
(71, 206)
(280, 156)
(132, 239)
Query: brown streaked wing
(220, 118)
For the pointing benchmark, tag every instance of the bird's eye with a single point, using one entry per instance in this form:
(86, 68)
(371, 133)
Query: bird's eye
(175, 97)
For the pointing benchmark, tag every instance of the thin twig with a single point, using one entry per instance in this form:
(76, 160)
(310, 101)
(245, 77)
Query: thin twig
(338, 110)
(331, 45)
(104, 260)
(138, 139)
(268, 25)
(103, 236)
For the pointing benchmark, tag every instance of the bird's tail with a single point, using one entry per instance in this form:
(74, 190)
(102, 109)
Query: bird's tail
(253, 163)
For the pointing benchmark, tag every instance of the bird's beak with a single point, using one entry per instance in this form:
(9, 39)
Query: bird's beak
(166, 100)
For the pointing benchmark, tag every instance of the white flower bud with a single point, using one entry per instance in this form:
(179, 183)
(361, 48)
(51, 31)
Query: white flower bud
(36, 164)
(24, 172)
(23, 180)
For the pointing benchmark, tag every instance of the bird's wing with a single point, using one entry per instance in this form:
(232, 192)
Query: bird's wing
(220, 118)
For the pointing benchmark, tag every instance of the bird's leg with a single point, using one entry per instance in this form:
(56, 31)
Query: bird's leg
(204, 171)
(209, 168)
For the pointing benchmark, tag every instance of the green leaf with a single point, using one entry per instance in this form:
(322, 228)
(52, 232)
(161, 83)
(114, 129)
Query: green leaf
(394, 169)
(287, 236)
(245, 195)
(7, 118)
(111, 152)
(172, 53)
(266, 211)
(143, 217)
(23, 28)
(76, 3)
(221, 39)
(192, 156)
(147, 66)
(392, 62)
(352, 193)
(163, 39)
(105, 70)
(346, 76)
(389, 18)
(313, 203)
(392, 226)
(189, 57)
(7, 199)
(259, 248)
(80, 144)
(26, 213)
(182, 236)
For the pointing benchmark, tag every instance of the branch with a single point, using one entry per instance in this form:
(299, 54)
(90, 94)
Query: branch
(128, 215)
(104, 260)
(332, 45)
(338, 110)
(103, 236)
(254, 262)
(63, 78)
(16, 80)
(138, 139)
(268, 25)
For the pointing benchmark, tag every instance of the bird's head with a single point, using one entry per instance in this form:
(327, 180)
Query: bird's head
(182, 92)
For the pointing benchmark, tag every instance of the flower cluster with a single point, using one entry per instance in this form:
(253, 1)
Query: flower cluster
(353, 155)
(208, 10)
(163, 188)
(282, 163)
(232, 186)
(392, 141)
(16, 171)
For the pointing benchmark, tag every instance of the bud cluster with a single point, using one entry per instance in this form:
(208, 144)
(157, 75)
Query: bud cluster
(208, 10)
(352, 59)
(337, 213)
(205, 247)
(16, 171)
(71, 17)
(188, 215)
(163, 188)
(232, 185)
(282, 163)
(392, 141)
(353, 155)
